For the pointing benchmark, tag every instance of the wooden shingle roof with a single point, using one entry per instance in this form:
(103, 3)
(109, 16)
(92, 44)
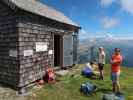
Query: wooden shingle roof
(38, 8)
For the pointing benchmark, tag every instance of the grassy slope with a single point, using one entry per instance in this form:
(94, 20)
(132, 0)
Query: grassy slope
(68, 87)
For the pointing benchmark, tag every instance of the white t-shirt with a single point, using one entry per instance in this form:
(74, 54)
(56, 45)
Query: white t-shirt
(89, 66)
(101, 58)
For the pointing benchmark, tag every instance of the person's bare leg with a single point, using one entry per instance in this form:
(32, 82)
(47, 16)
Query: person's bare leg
(118, 86)
(102, 74)
(114, 87)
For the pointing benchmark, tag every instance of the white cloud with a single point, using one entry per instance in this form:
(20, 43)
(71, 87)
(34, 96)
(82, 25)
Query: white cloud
(103, 35)
(109, 35)
(107, 3)
(109, 22)
(83, 34)
(127, 5)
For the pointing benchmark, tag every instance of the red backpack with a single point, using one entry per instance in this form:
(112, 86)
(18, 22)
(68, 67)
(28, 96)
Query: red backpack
(50, 75)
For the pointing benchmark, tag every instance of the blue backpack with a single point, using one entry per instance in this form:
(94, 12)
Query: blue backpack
(113, 97)
(88, 88)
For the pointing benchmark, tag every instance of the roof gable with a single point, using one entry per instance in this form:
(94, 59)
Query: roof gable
(38, 8)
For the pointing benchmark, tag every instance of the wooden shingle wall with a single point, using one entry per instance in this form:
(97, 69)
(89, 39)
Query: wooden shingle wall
(21, 36)
(9, 64)
(34, 63)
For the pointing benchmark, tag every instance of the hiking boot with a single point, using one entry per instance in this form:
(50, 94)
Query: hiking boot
(113, 90)
(101, 78)
(119, 93)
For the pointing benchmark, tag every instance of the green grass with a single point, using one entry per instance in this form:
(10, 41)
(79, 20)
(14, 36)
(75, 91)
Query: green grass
(68, 86)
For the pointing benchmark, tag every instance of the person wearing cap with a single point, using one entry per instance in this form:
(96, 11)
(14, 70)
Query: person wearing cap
(116, 61)
(101, 62)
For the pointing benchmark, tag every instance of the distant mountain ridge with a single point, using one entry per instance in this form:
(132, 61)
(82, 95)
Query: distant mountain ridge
(126, 46)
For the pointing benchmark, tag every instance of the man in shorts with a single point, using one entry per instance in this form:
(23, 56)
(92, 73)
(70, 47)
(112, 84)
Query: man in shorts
(101, 62)
(116, 61)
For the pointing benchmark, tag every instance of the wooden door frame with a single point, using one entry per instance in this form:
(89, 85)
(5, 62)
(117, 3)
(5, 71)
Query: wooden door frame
(61, 49)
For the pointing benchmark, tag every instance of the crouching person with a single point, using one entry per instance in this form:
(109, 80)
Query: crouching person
(88, 70)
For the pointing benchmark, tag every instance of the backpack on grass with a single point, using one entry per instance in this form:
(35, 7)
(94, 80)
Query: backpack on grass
(50, 76)
(88, 88)
(113, 97)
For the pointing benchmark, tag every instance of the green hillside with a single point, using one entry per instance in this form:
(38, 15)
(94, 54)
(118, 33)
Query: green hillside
(68, 86)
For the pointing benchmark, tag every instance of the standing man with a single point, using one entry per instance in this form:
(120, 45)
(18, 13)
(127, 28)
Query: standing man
(101, 62)
(116, 61)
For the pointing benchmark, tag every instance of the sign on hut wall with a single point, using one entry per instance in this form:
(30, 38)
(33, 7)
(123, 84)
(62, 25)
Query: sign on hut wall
(28, 52)
(50, 52)
(13, 53)
(41, 46)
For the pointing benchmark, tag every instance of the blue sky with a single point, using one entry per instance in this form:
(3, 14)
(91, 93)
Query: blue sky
(98, 18)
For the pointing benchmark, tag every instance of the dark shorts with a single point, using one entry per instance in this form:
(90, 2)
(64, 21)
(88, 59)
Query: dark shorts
(100, 66)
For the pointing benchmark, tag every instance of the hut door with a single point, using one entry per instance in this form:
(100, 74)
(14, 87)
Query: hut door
(57, 50)
(67, 50)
